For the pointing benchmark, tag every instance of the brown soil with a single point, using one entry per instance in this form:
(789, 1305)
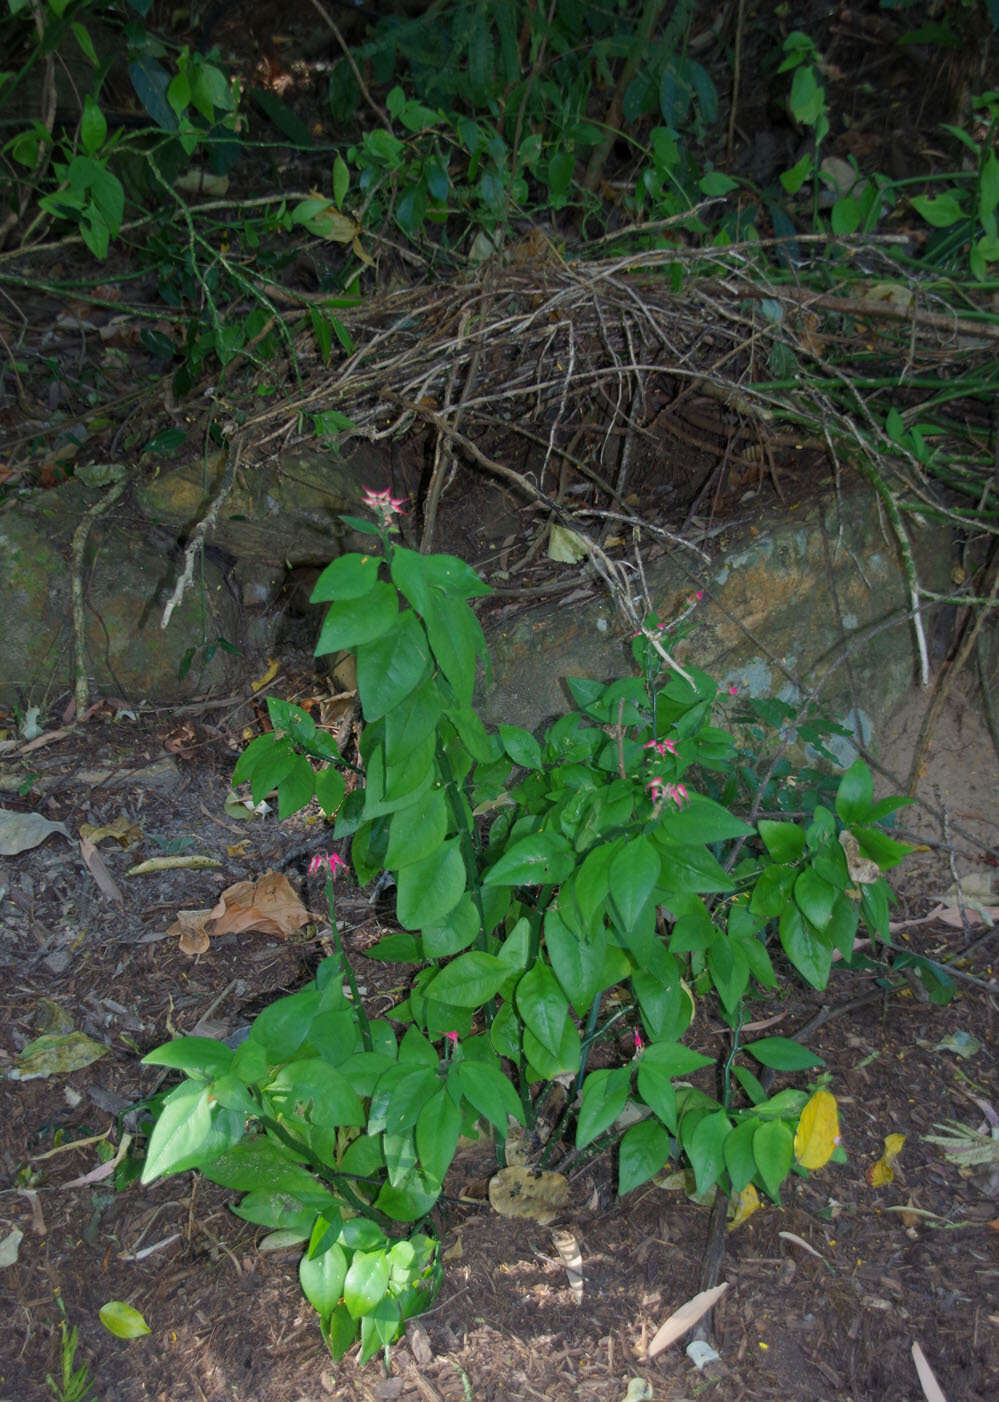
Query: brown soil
(229, 1322)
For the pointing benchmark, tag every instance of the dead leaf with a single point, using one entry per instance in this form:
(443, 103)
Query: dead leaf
(746, 1204)
(817, 1134)
(800, 1241)
(932, 1390)
(882, 1171)
(859, 867)
(51, 1055)
(155, 864)
(122, 830)
(21, 831)
(268, 905)
(685, 1318)
(273, 666)
(517, 1192)
(100, 873)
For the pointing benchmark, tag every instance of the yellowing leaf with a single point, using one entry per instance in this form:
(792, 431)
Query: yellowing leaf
(882, 1172)
(272, 670)
(818, 1131)
(567, 546)
(747, 1203)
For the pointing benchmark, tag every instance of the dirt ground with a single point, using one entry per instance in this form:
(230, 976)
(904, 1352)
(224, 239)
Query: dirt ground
(836, 1321)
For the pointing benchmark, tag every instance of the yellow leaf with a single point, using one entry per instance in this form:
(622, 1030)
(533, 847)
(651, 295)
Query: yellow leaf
(269, 675)
(748, 1202)
(882, 1172)
(818, 1131)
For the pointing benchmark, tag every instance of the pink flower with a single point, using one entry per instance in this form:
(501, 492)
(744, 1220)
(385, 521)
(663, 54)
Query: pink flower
(733, 691)
(677, 793)
(384, 506)
(639, 1041)
(332, 860)
(661, 747)
(655, 787)
(699, 595)
(452, 1038)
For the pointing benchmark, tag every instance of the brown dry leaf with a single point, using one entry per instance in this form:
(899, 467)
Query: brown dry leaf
(100, 873)
(517, 1192)
(571, 1257)
(746, 1203)
(685, 1318)
(123, 830)
(932, 1390)
(268, 905)
(860, 868)
(190, 926)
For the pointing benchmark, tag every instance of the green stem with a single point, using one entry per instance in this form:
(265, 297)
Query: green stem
(348, 972)
(327, 1174)
(727, 1067)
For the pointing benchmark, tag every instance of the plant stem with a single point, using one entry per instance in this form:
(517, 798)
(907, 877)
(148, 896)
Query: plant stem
(348, 972)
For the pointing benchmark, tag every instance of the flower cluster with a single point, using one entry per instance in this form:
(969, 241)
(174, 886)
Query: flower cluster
(659, 789)
(323, 859)
(661, 747)
(384, 507)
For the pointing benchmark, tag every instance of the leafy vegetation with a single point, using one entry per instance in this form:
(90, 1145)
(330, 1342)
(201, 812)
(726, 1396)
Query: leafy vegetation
(566, 904)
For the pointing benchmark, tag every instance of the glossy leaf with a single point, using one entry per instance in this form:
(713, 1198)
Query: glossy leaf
(468, 981)
(543, 1007)
(773, 1150)
(366, 1281)
(782, 1054)
(541, 859)
(428, 889)
(644, 1151)
(605, 1094)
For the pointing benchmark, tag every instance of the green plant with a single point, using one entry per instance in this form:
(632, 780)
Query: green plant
(74, 1384)
(563, 901)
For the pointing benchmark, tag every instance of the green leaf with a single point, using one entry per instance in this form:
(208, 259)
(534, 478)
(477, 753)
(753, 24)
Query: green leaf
(181, 1133)
(578, 960)
(521, 746)
(347, 577)
(366, 1282)
(455, 932)
(283, 1026)
(729, 971)
(392, 666)
(939, 210)
(643, 1152)
(258, 1165)
(706, 1149)
(123, 1321)
(773, 1150)
(417, 831)
(880, 848)
(541, 859)
(270, 767)
(457, 641)
(93, 126)
(855, 795)
(349, 622)
(814, 897)
(430, 888)
(296, 788)
(196, 1056)
(322, 1275)
(633, 875)
(322, 1088)
(543, 1006)
(489, 1092)
(806, 951)
(784, 841)
(437, 1129)
(782, 1054)
(605, 1094)
(330, 789)
(547, 1065)
(773, 891)
(703, 820)
(468, 981)
(739, 1158)
(399, 1096)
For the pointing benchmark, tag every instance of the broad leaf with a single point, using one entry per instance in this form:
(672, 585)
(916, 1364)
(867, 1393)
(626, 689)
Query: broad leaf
(643, 1152)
